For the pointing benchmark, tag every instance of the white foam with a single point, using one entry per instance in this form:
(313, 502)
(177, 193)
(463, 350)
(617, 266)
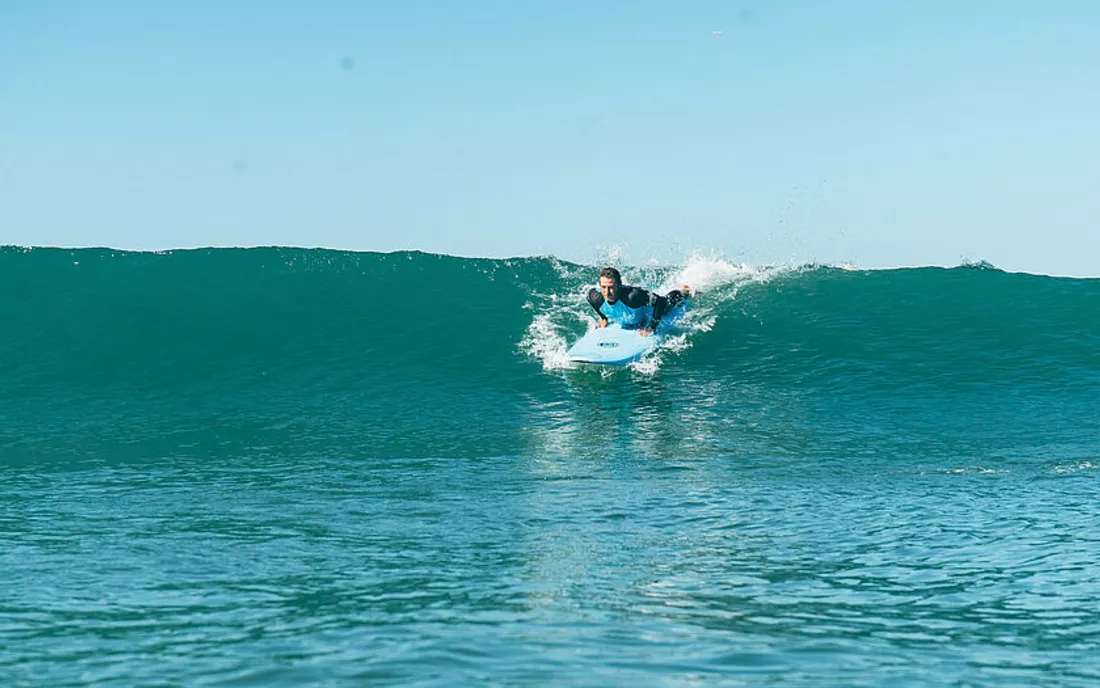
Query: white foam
(543, 341)
(1080, 466)
(973, 469)
(545, 338)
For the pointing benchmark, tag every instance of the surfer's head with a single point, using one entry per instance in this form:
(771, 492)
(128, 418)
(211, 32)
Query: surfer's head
(610, 281)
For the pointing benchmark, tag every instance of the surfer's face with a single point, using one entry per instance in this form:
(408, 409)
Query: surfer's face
(609, 290)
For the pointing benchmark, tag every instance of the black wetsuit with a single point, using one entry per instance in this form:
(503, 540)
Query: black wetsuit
(647, 308)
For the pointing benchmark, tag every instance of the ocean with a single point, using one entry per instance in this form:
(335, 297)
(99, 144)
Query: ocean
(287, 467)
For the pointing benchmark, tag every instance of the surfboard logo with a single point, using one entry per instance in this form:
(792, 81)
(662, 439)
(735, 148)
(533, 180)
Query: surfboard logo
(607, 345)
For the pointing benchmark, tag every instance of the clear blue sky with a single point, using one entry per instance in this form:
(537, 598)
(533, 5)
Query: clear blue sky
(880, 133)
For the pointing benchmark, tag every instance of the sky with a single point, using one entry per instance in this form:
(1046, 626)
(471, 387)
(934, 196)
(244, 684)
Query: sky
(873, 133)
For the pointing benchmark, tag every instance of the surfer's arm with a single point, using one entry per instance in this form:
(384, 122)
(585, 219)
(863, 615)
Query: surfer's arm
(636, 297)
(660, 307)
(595, 299)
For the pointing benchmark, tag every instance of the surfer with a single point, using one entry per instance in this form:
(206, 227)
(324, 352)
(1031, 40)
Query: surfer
(631, 307)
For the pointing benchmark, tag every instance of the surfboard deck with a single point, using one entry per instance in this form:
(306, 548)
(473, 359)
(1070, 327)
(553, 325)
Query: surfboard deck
(614, 345)
(611, 345)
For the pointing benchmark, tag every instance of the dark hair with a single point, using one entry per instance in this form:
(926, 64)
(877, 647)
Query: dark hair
(612, 273)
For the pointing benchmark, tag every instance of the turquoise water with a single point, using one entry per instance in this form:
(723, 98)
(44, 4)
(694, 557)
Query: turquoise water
(287, 467)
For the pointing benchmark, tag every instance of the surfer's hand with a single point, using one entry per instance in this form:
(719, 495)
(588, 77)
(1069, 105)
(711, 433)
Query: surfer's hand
(602, 323)
(645, 332)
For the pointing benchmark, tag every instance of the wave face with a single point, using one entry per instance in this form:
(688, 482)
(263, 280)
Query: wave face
(412, 354)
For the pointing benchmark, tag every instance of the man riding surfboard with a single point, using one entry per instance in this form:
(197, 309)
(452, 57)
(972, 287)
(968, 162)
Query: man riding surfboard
(631, 307)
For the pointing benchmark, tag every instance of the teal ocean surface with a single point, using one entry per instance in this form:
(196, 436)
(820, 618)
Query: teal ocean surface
(306, 467)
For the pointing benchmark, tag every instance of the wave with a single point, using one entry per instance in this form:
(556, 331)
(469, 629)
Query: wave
(411, 353)
(87, 312)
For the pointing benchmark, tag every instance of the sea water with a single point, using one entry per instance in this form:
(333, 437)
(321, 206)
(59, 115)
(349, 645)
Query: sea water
(287, 467)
